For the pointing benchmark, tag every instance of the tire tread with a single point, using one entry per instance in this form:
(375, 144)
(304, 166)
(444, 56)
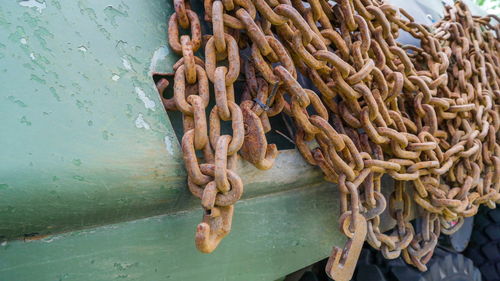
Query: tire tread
(484, 248)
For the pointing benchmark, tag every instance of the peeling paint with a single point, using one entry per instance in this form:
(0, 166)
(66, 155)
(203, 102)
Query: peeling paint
(159, 54)
(141, 123)
(83, 49)
(87, 232)
(148, 103)
(52, 239)
(34, 4)
(168, 145)
(126, 64)
(68, 81)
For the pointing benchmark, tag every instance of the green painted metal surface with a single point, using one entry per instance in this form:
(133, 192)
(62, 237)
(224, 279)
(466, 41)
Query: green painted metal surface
(88, 140)
(271, 236)
(84, 139)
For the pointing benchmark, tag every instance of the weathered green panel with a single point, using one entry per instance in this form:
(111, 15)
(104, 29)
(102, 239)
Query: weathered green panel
(84, 136)
(86, 139)
(260, 246)
(272, 235)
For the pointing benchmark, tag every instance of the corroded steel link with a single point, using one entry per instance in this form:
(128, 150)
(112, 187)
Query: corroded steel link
(216, 184)
(218, 26)
(180, 10)
(233, 57)
(173, 31)
(425, 115)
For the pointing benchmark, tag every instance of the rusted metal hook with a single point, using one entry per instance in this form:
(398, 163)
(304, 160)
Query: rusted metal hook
(255, 148)
(342, 262)
(215, 225)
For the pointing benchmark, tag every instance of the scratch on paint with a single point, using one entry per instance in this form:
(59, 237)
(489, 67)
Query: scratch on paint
(141, 123)
(148, 103)
(168, 145)
(126, 64)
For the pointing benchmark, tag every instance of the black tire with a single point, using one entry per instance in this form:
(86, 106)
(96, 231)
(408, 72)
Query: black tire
(444, 266)
(458, 241)
(309, 276)
(484, 247)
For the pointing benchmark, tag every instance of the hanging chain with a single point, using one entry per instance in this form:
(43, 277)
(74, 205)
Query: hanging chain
(427, 116)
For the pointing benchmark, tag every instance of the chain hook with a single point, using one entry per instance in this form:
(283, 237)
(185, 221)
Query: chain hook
(342, 262)
(215, 225)
(255, 148)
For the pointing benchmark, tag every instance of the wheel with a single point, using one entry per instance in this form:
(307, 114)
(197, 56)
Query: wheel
(309, 276)
(444, 266)
(459, 240)
(484, 247)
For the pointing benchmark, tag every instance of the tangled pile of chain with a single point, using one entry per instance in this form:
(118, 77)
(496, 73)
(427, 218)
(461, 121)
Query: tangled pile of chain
(427, 116)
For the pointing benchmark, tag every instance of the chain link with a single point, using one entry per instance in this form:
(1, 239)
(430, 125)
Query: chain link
(427, 116)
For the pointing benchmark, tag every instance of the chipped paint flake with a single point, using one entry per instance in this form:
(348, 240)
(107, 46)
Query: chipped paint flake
(159, 55)
(141, 123)
(32, 56)
(126, 64)
(168, 145)
(34, 4)
(115, 77)
(23, 41)
(148, 103)
(82, 49)
(52, 239)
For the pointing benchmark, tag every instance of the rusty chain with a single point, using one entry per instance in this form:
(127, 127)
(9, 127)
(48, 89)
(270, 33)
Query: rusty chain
(427, 116)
